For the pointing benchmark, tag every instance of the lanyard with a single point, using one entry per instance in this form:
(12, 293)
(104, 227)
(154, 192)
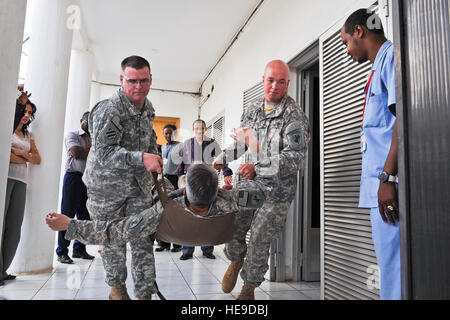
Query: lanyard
(168, 150)
(365, 92)
(88, 147)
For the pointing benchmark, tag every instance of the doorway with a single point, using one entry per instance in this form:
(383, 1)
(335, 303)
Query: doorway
(158, 126)
(306, 248)
(310, 96)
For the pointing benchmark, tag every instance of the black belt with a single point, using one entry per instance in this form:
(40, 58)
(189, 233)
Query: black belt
(75, 172)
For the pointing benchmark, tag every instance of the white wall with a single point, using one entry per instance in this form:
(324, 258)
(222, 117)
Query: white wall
(279, 30)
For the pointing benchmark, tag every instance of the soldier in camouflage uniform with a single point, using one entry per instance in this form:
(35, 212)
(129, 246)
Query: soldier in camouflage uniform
(202, 180)
(202, 197)
(274, 134)
(214, 202)
(117, 173)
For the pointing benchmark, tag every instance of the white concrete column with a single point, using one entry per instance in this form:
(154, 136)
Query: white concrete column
(79, 88)
(78, 98)
(95, 91)
(46, 77)
(12, 21)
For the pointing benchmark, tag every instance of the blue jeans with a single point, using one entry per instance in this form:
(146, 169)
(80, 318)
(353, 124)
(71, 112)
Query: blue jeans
(74, 197)
(190, 250)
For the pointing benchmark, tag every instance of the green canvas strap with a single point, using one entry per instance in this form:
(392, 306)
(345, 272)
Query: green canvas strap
(163, 196)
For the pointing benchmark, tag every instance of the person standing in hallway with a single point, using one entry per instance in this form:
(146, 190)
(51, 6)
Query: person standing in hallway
(378, 190)
(118, 173)
(170, 170)
(274, 135)
(74, 194)
(200, 150)
(23, 151)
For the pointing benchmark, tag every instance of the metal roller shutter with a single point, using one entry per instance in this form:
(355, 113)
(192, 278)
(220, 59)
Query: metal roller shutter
(218, 136)
(218, 131)
(209, 131)
(253, 93)
(349, 256)
(215, 131)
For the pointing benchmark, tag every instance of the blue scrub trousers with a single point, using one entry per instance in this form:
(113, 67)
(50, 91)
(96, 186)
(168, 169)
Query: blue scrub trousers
(386, 239)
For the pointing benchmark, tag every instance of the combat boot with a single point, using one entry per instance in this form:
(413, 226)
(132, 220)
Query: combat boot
(230, 276)
(119, 293)
(247, 292)
(145, 298)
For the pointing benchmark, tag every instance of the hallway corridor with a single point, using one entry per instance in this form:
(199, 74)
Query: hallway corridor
(195, 279)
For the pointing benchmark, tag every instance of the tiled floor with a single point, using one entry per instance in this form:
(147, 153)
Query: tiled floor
(195, 279)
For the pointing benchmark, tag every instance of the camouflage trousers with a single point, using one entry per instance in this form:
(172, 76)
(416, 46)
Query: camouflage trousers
(114, 255)
(265, 224)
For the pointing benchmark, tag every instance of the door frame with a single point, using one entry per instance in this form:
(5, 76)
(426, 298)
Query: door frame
(302, 207)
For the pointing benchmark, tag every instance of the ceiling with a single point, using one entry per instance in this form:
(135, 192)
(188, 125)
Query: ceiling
(182, 39)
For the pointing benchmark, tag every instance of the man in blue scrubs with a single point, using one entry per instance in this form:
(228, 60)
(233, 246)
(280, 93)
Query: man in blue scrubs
(364, 38)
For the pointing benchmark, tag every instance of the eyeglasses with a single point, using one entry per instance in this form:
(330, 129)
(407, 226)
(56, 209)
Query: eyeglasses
(134, 82)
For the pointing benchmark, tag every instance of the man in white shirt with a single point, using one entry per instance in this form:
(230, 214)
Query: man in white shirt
(74, 196)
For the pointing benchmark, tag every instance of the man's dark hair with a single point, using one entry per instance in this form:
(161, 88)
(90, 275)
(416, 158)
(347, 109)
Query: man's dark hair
(20, 112)
(364, 18)
(171, 126)
(135, 62)
(201, 185)
(199, 120)
(85, 115)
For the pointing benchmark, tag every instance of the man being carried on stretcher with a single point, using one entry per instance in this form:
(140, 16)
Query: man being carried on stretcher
(201, 197)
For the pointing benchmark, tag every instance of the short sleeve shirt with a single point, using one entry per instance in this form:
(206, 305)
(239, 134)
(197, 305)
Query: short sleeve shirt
(378, 124)
(76, 139)
(170, 164)
(19, 171)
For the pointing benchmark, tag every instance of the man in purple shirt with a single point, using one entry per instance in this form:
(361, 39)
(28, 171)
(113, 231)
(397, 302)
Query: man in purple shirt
(200, 150)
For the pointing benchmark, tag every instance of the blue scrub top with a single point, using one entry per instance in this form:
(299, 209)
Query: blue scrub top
(378, 124)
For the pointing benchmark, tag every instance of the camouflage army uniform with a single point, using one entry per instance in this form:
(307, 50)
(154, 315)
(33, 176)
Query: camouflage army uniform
(283, 135)
(141, 226)
(118, 184)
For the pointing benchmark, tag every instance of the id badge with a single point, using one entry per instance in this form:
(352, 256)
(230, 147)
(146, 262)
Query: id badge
(165, 161)
(363, 142)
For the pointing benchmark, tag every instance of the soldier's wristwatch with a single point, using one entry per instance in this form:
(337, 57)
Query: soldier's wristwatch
(386, 177)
